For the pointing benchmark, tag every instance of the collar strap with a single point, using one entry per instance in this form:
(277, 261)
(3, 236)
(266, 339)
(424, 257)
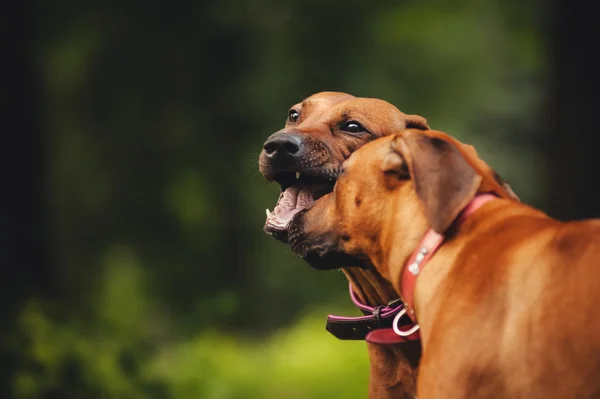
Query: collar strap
(375, 326)
(427, 247)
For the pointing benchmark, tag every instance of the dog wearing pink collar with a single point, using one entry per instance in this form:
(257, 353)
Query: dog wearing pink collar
(488, 279)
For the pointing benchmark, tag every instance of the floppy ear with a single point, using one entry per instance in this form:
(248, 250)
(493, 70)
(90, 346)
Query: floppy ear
(416, 122)
(443, 179)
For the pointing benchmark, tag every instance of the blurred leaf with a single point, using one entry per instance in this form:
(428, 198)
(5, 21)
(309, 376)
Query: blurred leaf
(123, 302)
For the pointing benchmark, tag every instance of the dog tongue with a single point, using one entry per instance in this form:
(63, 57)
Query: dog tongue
(290, 202)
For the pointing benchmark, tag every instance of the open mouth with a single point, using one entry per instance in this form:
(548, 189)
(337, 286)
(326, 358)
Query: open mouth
(299, 191)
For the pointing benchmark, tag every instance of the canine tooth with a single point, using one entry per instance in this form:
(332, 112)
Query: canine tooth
(268, 212)
(297, 175)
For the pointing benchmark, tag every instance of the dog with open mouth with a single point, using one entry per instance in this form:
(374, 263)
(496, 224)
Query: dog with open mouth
(304, 158)
(488, 279)
(319, 134)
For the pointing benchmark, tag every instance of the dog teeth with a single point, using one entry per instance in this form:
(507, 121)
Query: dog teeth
(297, 175)
(268, 212)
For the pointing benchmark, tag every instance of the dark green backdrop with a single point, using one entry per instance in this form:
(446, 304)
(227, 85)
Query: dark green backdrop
(135, 264)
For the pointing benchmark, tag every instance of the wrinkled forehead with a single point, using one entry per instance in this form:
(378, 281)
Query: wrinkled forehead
(323, 100)
(341, 105)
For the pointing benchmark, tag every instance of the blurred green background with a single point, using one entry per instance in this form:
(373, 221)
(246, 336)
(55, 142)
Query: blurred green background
(134, 260)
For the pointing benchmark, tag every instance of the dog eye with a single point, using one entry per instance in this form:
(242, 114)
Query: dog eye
(353, 127)
(293, 115)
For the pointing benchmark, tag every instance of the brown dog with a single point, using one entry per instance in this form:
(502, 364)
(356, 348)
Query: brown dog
(304, 158)
(319, 134)
(507, 304)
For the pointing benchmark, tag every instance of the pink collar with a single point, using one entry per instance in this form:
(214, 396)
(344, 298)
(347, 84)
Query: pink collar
(381, 324)
(427, 247)
(374, 326)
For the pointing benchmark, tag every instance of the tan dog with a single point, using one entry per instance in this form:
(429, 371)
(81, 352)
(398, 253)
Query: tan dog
(304, 158)
(319, 134)
(507, 304)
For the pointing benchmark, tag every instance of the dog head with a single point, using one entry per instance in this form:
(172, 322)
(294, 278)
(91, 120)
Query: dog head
(393, 188)
(320, 133)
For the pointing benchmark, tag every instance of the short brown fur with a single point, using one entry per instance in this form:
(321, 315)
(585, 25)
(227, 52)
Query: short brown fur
(507, 306)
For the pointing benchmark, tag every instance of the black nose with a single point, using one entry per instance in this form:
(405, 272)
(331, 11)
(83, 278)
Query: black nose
(281, 144)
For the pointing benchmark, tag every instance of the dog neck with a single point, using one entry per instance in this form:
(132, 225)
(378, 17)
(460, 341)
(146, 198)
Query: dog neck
(404, 238)
(438, 252)
(370, 287)
(427, 248)
(393, 367)
(398, 240)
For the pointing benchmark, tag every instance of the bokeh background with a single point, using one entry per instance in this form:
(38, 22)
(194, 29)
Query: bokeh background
(133, 259)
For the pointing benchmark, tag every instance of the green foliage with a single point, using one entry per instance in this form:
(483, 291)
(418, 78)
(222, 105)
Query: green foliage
(128, 351)
(298, 362)
(301, 361)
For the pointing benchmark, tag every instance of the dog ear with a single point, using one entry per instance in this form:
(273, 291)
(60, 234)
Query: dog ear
(443, 179)
(416, 122)
(446, 174)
